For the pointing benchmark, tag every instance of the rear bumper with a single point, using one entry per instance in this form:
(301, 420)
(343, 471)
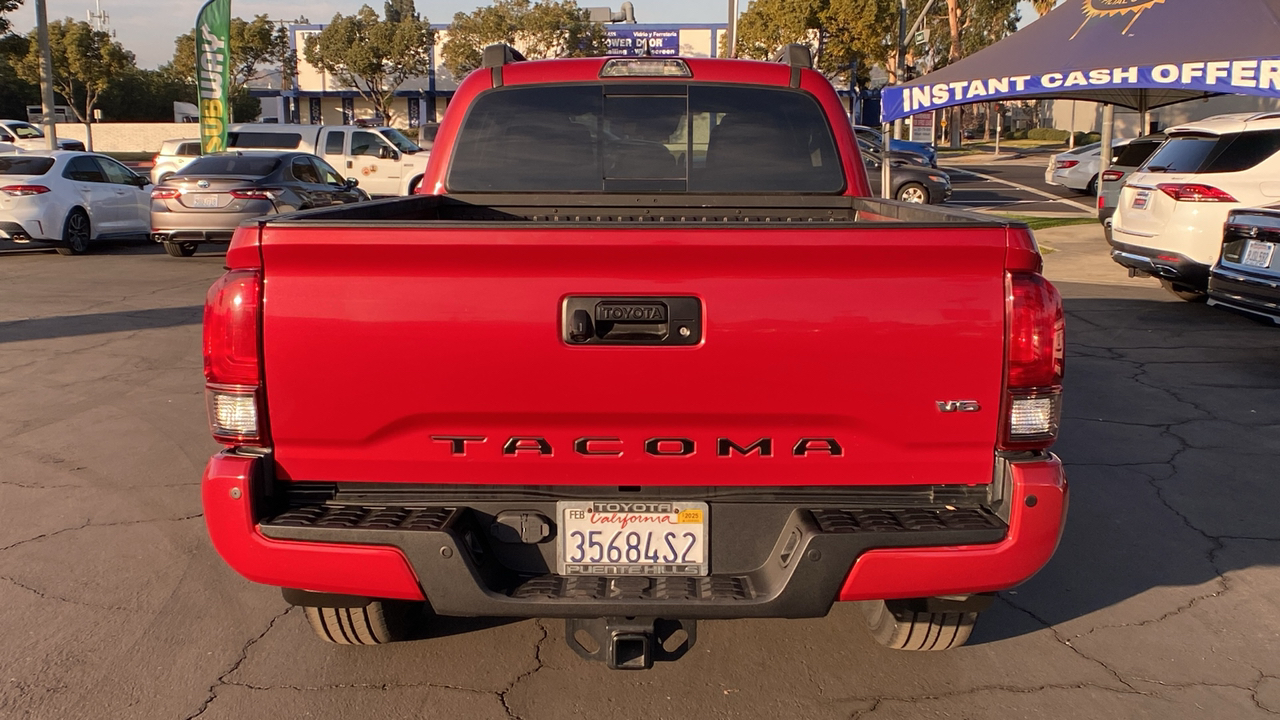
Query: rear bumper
(807, 555)
(1161, 264)
(1255, 294)
(15, 236)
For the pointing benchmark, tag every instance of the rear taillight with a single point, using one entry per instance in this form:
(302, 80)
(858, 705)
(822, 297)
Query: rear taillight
(1194, 192)
(1036, 355)
(1064, 164)
(1111, 175)
(23, 190)
(232, 371)
(165, 193)
(255, 193)
(1102, 201)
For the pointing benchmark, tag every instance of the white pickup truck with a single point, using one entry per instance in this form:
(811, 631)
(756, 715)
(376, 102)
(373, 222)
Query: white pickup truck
(381, 158)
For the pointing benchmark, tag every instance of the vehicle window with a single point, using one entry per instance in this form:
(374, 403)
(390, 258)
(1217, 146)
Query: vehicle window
(19, 165)
(304, 171)
(191, 149)
(232, 165)
(5, 136)
(366, 143)
(1183, 154)
(581, 138)
(84, 169)
(402, 143)
(25, 131)
(281, 141)
(333, 142)
(1137, 152)
(1244, 151)
(328, 175)
(115, 172)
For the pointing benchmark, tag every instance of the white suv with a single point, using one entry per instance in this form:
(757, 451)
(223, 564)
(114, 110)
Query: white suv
(1169, 217)
(173, 156)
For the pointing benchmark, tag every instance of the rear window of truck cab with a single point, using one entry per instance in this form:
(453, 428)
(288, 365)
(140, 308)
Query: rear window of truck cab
(655, 138)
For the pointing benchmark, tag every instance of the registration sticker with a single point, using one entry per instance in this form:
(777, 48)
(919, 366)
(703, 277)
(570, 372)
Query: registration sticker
(1258, 254)
(1140, 199)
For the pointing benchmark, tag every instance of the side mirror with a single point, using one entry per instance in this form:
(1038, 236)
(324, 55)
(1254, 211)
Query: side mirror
(141, 181)
(351, 183)
(387, 153)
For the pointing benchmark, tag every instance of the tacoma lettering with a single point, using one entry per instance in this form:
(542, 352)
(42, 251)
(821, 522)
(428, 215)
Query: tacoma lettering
(612, 446)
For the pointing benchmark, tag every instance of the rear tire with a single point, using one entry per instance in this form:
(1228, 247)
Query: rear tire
(76, 232)
(1092, 187)
(186, 249)
(893, 625)
(378, 623)
(1183, 292)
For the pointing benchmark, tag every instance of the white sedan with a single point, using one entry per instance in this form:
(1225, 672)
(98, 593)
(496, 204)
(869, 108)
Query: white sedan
(1078, 169)
(68, 199)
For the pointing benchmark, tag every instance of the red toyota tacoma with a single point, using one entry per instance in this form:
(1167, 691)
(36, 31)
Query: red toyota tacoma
(643, 352)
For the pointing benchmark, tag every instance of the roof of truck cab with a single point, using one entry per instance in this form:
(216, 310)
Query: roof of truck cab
(717, 70)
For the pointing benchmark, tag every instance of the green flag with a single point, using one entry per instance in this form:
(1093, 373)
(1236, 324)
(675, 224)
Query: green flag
(213, 73)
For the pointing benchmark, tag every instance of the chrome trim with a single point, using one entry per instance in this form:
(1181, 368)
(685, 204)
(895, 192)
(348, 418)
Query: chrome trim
(1145, 264)
(1134, 233)
(1141, 187)
(1222, 272)
(1218, 302)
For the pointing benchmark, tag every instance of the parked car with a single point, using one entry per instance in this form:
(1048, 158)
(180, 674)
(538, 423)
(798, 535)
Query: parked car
(207, 199)
(909, 182)
(68, 200)
(897, 157)
(1132, 157)
(173, 156)
(386, 162)
(1246, 277)
(925, 150)
(31, 137)
(1078, 169)
(1168, 221)
(435, 399)
(9, 149)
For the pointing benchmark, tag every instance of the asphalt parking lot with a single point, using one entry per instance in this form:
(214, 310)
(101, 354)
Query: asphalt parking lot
(1163, 600)
(1011, 184)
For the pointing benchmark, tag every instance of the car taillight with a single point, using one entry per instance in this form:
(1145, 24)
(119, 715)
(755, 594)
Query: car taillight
(23, 190)
(1036, 357)
(1102, 201)
(233, 389)
(1194, 192)
(255, 193)
(1064, 164)
(1111, 175)
(164, 193)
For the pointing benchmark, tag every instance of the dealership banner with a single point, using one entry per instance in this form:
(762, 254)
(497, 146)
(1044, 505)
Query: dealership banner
(1253, 76)
(213, 73)
(631, 41)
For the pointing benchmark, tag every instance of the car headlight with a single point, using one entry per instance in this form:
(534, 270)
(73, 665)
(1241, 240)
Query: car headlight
(940, 179)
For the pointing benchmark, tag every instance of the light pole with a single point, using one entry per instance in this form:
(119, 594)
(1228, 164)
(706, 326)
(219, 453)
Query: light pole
(731, 34)
(46, 76)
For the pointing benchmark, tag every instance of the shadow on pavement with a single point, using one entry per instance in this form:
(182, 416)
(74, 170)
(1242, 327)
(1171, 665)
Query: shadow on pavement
(96, 323)
(1169, 439)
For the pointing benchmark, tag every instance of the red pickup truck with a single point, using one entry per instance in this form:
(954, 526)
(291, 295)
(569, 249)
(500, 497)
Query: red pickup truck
(643, 352)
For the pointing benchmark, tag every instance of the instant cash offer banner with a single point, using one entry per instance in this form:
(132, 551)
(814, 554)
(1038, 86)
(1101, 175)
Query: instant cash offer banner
(213, 73)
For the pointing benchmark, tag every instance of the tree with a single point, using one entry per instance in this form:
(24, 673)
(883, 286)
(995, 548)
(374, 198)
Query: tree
(85, 61)
(258, 47)
(6, 7)
(15, 93)
(372, 55)
(538, 30)
(146, 96)
(840, 33)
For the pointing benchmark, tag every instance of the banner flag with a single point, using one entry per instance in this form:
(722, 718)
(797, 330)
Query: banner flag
(213, 73)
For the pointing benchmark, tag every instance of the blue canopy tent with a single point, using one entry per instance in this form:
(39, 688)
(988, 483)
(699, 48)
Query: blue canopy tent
(1139, 54)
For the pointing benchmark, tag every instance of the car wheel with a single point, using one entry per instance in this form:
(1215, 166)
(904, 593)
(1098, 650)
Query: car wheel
(186, 249)
(913, 193)
(1092, 187)
(378, 623)
(1183, 292)
(413, 185)
(894, 625)
(75, 233)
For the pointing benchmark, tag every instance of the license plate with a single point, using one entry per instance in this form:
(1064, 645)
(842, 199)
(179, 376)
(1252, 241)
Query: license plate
(606, 537)
(203, 201)
(1140, 199)
(1258, 253)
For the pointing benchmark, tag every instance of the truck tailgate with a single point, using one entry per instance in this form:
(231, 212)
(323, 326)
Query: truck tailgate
(384, 346)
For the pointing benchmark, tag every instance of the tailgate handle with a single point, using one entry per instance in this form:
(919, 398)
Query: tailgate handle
(647, 321)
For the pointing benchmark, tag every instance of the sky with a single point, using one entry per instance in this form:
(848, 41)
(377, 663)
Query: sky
(148, 27)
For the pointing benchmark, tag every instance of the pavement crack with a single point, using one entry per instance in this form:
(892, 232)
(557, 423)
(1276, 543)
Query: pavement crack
(1067, 642)
(244, 654)
(50, 596)
(537, 656)
(89, 524)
